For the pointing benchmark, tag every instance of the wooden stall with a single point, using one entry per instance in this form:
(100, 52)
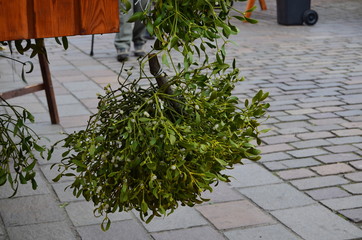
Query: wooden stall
(39, 19)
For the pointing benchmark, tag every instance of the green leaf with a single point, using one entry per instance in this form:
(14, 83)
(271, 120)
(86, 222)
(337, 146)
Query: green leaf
(30, 167)
(57, 178)
(144, 206)
(172, 139)
(106, 224)
(251, 9)
(136, 16)
(252, 21)
(153, 141)
(165, 60)
(39, 148)
(79, 163)
(34, 185)
(198, 119)
(257, 96)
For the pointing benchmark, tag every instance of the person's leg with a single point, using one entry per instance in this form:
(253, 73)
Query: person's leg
(139, 29)
(122, 40)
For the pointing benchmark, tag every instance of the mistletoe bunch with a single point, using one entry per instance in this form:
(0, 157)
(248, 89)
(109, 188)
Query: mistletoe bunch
(154, 148)
(18, 145)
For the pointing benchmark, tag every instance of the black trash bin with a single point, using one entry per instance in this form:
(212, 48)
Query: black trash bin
(295, 12)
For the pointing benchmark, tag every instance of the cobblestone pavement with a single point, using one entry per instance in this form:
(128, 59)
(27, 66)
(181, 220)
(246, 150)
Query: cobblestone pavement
(308, 184)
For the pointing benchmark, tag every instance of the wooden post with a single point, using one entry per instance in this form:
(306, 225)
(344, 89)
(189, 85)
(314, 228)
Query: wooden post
(48, 85)
(250, 4)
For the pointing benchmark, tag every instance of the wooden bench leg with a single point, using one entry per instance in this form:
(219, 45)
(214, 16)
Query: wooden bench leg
(263, 5)
(48, 86)
(249, 5)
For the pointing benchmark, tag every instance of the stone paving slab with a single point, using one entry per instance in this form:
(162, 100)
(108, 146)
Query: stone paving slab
(196, 233)
(280, 196)
(251, 175)
(123, 230)
(344, 203)
(234, 214)
(81, 214)
(318, 182)
(183, 217)
(31, 210)
(327, 193)
(316, 222)
(52, 230)
(271, 232)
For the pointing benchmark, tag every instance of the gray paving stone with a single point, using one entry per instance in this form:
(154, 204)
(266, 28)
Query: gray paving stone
(234, 214)
(280, 139)
(348, 132)
(276, 196)
(195, 233)
(338, 157)
(81, 86)
(354, 188)
(341, 148)
(333, 169)
(308, 152)
(292, 118)
(327, 193)
(318, 182)
(26, 189)
(81, 214)
(183, 217)
(65, 195)
(314, 135)
(72, 110)
(120, 230)
(3, 234)
(222, 193)
(251, 175)
(345, 140)
(344, 203)
(271, 232)
(291, 163)
(322, 115)
(30, 210)
(316, 222)
(354, 215)
(326, 127)
(310, 143)
(274, 156)
(275, 148)
(349, 113)
(46, 128)
(293, 130)
(356, 176)
(42, 231)
(296, 173)
(320, 104)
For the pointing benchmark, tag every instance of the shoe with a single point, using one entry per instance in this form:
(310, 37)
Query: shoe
(138, 51)
(122, 54)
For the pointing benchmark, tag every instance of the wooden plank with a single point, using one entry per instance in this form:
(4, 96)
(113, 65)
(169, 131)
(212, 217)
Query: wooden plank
(99, 17)
(13, 19)
(48, 85)
(55, 18)
(22, 91)
(30, 19)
